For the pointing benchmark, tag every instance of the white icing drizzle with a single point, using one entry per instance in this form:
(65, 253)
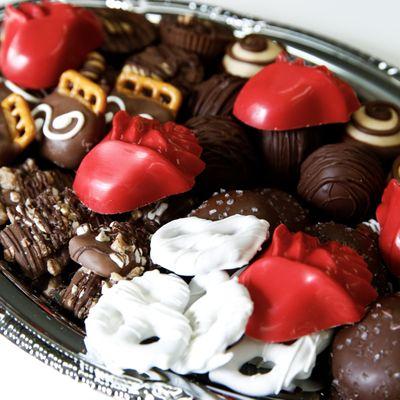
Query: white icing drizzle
(18, 90)
(290, 364)
(373, 224)
(218, 319)
(192, 246)
(132, 311)
(119, 102)
(59, 123)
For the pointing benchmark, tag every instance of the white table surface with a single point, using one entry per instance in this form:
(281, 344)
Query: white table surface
(365, 24)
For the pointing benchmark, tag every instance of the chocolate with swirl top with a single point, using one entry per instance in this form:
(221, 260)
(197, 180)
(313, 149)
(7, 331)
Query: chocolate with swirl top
(249, 55)
(376, 125)
(215, 96)
(342, 180)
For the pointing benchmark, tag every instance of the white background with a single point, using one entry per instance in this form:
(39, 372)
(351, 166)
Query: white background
(370, 25)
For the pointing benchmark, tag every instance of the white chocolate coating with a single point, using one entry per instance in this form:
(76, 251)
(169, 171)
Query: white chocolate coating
(218, 320)
(132, 311)
(193, 246)
(59, 123)
(379, 141)
(290, 364)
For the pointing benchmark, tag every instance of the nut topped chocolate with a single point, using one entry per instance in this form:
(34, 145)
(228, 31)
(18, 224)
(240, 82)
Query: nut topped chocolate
(376, 125)
(366, 356)
(272, 205)
(342, 180)
(250, 54)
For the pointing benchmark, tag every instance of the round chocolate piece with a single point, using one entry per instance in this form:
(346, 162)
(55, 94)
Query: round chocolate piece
(136, 105)
(363, 241)
(125, 31)
(68, 130)
(376, 125)
(366, 356)
(249, 55)
(180, 67)
(275, 206)
(284, 151)
(215, 96)
(227, 152)
(204, 37)
(342, 180)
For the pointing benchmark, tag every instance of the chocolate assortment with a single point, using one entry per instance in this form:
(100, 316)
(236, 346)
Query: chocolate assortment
(194, 201)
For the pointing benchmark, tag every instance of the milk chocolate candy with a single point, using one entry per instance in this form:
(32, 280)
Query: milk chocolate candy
(366, 356)
(204, 37)
(273, 205)
(117, 248)
(40, 228)
(344, 181)
(70, 121)
(376, 125)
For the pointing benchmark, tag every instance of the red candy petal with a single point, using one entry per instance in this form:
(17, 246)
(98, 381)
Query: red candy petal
(388, 215)
(300, 286)
(139, 162)
(288, 95)
(43, 40)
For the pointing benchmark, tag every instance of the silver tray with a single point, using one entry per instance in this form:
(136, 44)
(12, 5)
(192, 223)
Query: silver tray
(44, 332)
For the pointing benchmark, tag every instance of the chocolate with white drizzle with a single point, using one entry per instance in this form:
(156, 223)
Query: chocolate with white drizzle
(249, 55)
(376, 125)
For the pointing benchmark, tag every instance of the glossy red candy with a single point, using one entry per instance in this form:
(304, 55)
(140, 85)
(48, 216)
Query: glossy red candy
(388, 215)
(43, 40)
(288, 95)
(140, 161)
(300, 286)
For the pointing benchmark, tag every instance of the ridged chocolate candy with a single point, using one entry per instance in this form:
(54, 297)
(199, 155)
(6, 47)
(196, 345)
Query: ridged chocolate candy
(366, 356)
(342, 180)
(273, 205)
(227, 152)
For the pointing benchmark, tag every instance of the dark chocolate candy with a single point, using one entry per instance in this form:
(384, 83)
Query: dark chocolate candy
(227, 152)
(215, 96)
(117, 248)
(376, 125)
(284, 151)
(82, 293)
(343, 180)
(366, 356)
(395, 172)
(204, 37)
(40, 228)
(180, 67)
(136, 105)
(125, 31)
(362, 240)
(275, 206)
(65, 144)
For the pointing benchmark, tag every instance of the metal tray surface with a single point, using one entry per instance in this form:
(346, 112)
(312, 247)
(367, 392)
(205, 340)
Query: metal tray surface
(42, 331)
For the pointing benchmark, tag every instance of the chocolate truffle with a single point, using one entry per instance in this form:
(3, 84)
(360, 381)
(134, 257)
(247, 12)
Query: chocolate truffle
(249, 55)
(215, 96)
(67, 129)
(204, 37)
(395, 172)
(275, 206)
(227, 152)
(366, 356)
(125, 31)
(363, 241)
(284, 151)
(342, 180)
(376, 125)
(180, 67)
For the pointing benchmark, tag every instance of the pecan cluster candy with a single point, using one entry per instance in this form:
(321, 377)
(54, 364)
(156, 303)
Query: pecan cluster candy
(112, 252)
(27, 181)
(40, 228)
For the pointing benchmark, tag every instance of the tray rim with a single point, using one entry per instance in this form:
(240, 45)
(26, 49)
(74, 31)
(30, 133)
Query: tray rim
(23, 327)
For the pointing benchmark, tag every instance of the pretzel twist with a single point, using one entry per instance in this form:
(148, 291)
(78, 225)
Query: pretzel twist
(19, 120)
(131, 84)
(75, 85)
